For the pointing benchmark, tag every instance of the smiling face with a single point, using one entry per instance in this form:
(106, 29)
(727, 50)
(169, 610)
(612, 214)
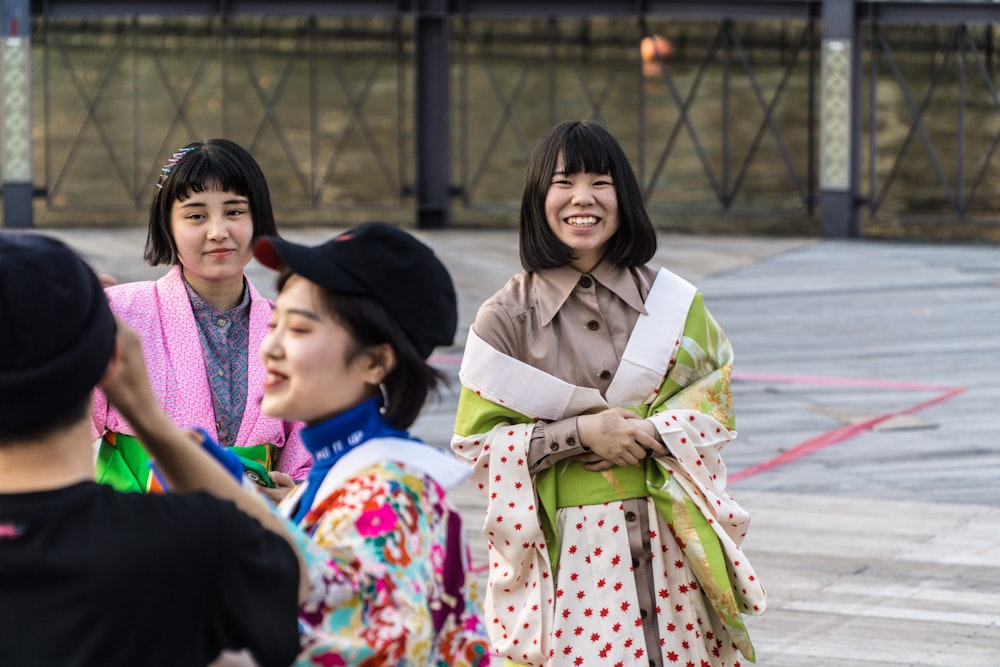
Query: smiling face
(315, 369)
(582, 211)
(213, 231)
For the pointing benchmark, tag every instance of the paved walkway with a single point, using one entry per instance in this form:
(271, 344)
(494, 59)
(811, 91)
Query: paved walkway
(866, 394)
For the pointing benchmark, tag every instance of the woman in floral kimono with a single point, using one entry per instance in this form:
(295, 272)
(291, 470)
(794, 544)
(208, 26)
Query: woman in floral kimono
(202, 323)
(354, 323)
(595, 403)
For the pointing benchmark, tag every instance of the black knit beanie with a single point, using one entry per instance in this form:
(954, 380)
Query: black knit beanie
(57, 332)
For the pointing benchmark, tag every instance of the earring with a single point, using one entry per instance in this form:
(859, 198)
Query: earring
(385, 398)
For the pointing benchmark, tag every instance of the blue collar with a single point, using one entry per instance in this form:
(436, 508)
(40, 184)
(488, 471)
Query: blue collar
(330, 440)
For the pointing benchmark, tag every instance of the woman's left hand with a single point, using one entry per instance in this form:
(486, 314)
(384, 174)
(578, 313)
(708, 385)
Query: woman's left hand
(595, 463)
(619, 436)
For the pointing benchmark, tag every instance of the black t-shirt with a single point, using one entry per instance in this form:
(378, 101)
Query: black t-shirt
(91, 576)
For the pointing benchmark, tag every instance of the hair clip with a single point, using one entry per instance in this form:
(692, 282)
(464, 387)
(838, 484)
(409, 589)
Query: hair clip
(169, 166)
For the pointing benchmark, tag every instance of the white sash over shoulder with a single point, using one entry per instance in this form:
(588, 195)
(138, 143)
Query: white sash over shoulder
(537, 394)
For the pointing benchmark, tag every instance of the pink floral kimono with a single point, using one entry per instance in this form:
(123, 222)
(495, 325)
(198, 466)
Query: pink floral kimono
(161, 312)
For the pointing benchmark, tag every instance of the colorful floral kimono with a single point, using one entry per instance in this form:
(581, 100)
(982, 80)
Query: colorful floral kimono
(561, 589)
(161, 312)
(389, 567)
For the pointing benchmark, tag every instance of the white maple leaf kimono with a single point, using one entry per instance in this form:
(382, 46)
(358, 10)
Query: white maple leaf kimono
(561, 589)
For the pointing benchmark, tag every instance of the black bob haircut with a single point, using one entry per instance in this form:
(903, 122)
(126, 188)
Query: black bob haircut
(585, 147)
(212, 164)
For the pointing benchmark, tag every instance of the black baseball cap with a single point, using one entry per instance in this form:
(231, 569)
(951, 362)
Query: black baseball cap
(384, 262)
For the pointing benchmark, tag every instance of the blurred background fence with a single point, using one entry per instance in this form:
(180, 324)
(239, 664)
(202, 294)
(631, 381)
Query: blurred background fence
(720, 109)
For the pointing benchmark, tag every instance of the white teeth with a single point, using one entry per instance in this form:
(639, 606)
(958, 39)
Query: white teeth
(582, 222)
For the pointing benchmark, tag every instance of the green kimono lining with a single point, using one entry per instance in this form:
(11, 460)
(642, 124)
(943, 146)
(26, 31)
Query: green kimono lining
(124, 464)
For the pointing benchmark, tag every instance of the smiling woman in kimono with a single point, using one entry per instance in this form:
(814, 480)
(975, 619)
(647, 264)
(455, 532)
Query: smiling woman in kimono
(594, 405)
(202, 323)
(354, 323)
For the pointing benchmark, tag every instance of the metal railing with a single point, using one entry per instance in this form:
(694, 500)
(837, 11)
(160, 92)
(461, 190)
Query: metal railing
(726, 127)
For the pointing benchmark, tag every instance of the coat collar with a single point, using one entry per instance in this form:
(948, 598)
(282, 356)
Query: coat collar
(552, 287)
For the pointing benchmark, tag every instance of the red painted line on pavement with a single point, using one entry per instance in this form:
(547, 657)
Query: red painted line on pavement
(837, 435)
(832, 437)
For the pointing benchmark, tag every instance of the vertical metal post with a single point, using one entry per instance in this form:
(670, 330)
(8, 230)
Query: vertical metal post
(432, 126)
(15, 63)
(839, 121)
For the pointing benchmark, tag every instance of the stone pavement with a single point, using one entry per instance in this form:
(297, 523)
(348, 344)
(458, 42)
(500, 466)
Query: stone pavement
(866, 392)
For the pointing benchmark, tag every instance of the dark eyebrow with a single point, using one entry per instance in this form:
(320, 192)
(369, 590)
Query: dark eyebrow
(189, 203)
(308, 314)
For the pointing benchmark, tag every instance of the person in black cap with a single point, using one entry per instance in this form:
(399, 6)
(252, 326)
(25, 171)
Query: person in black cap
(353, 325)
(182, 565)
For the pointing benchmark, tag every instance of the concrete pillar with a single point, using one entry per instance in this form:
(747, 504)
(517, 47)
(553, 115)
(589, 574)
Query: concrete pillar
(15, 63)
(840, 121)
(432, 124)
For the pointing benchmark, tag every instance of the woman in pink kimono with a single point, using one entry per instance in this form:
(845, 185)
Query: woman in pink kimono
(595, 402)
(202, 323)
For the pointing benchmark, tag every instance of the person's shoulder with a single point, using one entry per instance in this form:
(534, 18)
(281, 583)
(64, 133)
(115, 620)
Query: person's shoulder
(145, 304)
(512, 298)
(648, 273)
(177, 509)
(177, 529)
(194, 522)
(129, 292)
(381, 481)
(133, 302)
(171, 512)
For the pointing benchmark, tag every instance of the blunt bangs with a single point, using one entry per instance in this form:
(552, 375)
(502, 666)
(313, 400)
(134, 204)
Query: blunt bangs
(201, 173)
(584, 151)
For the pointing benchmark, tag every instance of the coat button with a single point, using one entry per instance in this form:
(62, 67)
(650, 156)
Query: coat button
(643, 613)
(635, 563)
(554, 446)
(630, 516)
(605, 375)
(593, 325)
(586, 281)
(571, 441)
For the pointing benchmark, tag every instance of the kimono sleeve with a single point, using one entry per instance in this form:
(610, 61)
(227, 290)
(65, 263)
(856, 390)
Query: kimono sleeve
(384, 536)
(693, 413)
